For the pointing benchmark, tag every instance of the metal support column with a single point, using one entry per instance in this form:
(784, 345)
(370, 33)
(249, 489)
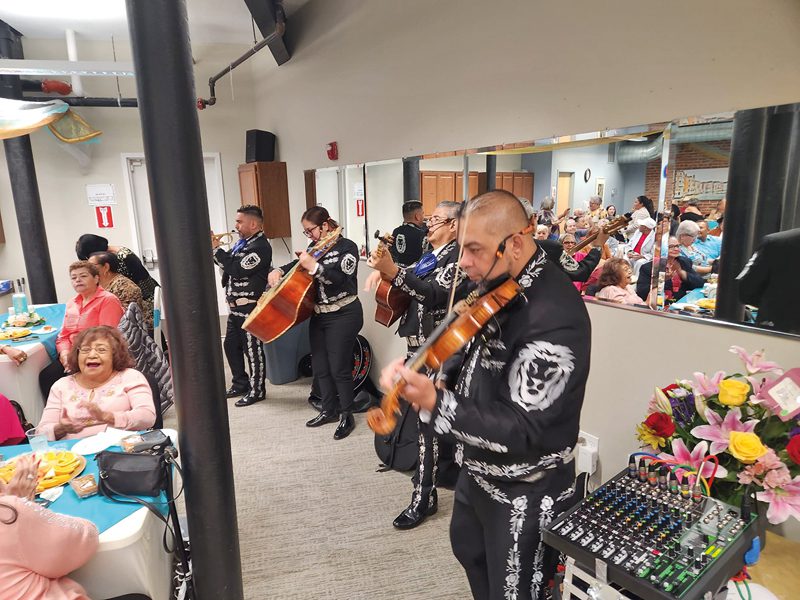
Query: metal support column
(411, 179)
(491, 173)
(24, 186)
(170, 130)
(763, 192)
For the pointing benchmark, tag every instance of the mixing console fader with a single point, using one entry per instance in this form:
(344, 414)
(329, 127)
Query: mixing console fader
(655, 538)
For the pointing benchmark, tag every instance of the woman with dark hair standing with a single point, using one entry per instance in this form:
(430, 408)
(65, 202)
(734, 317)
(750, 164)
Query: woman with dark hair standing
(129, 265)
(642, 209)
(336, 321)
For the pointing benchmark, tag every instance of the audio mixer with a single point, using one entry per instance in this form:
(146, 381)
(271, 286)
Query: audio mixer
(654, 537)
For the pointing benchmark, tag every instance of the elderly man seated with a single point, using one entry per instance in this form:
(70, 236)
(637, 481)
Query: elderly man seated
(709, 245)
(640, 246)
(596, 211)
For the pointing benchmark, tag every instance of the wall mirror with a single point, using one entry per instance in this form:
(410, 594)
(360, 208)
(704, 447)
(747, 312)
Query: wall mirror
(681, 167)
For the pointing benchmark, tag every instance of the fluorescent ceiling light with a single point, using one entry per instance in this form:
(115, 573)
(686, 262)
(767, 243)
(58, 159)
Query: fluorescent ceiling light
(80, 10)
(90, 68)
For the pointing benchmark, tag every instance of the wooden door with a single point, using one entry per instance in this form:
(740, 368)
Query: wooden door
(507, 182)
(311, 187)
(564, 191)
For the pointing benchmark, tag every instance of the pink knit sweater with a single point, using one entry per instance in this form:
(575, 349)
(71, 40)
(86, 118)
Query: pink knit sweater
(38, 549)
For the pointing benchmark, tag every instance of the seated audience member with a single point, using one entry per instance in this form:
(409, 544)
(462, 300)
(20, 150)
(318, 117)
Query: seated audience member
(542, 232)
(39, 548)
(713, 218)
(583, 225)
(123, 288)
(129, 264)
(614, 283)
(547, 216)
(596, 211)
(691, 211)
(680, 276)
(568, 242)
(570, 226)
(687, 235)
(709, 245)
(102, 391)
(11, 432)
(91, 307)
(640, 246)
(611, 211)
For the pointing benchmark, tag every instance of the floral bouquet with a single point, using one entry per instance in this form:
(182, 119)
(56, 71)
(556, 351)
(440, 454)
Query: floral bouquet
(734, 431)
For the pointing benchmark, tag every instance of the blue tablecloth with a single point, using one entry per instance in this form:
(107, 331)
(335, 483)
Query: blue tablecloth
(98, 509)
(53, 315)
(692, 296)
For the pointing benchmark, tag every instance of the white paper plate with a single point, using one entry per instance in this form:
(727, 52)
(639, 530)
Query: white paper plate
(44, 329)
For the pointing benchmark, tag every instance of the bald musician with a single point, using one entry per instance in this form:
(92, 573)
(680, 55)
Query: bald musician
(513, 398)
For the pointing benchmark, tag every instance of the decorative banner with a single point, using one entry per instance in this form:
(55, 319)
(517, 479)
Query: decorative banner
(105, 218)
(703, 184)
(100, 194)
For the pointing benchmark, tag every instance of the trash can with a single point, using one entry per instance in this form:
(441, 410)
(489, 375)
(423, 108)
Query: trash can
(284, 354)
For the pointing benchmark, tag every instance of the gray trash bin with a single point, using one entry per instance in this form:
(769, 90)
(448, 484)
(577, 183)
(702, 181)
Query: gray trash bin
(284, 354)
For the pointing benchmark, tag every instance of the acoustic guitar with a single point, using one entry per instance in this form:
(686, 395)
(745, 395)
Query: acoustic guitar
(392, 302)
(613, 226)
(291, 301)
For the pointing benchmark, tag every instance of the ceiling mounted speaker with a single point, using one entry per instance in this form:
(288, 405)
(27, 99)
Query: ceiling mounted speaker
(260, 146)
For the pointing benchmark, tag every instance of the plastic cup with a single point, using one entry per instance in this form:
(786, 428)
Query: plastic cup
(38, 440)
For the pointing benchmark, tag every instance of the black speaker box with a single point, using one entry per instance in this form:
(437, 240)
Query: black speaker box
(260, 146)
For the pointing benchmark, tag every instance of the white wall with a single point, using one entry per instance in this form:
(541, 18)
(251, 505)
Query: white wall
(541, 165)
(62, 187)
(595, 158)
(634, 176)
(384, 197)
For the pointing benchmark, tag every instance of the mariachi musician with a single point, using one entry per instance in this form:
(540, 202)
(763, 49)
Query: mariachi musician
(244, 277)
(429, 283)
(513, 397)
(336, 321)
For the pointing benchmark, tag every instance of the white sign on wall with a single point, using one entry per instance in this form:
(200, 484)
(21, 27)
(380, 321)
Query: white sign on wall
(100, 194)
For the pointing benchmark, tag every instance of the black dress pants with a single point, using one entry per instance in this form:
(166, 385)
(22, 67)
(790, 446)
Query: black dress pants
(241, 346)
(332, 336)
(495, 532)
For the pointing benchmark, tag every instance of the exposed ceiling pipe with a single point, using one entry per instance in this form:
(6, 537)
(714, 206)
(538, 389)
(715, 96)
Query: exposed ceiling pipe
(280, 29)
(72, 54)
(636, 152)
(95, 102)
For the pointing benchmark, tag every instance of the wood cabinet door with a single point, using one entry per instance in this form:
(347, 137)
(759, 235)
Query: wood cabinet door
(508, 182)
(248, 184)
(523, 185)
(427, 190)
(445, 187)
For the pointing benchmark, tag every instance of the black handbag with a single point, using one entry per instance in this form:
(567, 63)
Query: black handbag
(128, 474)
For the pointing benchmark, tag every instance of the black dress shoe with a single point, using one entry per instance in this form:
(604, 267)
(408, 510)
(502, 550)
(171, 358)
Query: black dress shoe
(315, 402)
(248, 399)
(234, 392)
(345, 427)
(410, 517)
(322, 418)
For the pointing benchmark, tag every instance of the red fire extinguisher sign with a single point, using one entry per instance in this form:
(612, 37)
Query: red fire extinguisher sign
(359, 207)
(105, 218)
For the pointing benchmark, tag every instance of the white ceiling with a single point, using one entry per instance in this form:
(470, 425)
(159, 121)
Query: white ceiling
(210, 21)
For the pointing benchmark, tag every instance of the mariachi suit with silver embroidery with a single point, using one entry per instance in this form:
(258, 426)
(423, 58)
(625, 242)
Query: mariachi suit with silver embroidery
(336, 321)
(430, 293)
(244, 277)
(514, 401)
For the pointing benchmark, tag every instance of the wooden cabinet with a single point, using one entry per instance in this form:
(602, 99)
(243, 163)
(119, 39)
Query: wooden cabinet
(265, 185)
(436, 186)
(523, 186)
(476, 182)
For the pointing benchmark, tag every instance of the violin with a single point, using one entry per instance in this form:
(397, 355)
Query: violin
(463, 323)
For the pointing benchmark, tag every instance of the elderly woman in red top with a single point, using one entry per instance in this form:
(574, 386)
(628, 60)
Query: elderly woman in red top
(93, 306)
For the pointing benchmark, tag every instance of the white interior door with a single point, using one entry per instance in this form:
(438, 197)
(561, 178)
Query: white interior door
(143, 217)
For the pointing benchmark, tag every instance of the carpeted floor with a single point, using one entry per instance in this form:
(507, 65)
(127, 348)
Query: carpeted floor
(315, 519)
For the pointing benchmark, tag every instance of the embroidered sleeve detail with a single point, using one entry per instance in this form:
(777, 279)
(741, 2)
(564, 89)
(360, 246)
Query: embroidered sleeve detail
(400, 278)
(479, 442)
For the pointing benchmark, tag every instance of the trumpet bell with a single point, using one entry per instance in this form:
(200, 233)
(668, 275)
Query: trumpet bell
(224, 238)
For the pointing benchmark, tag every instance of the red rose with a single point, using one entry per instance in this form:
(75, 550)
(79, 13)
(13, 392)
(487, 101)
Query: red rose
(661, 424)
(793, 448)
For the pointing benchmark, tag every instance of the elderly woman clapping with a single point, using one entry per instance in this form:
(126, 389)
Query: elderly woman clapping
(103, 391)
(687, 234)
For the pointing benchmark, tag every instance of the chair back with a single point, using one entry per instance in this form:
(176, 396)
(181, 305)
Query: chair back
(159, 423)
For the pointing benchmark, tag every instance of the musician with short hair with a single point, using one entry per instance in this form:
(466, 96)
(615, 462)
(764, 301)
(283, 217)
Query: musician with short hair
(513, 397)
(429, 283)
(244, 277)
(336, 321)
(409, 238)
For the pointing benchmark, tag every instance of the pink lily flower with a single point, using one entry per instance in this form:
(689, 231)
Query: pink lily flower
(718, 430)
(783, 502)
(755, 363)
(694, 458)
(707, 386)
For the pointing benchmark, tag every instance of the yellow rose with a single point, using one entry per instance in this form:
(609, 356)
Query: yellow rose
(733, 392)
(746, 447)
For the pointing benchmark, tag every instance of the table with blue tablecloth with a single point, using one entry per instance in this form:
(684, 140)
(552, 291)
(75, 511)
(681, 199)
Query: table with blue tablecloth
(21, 382)
(130, 558)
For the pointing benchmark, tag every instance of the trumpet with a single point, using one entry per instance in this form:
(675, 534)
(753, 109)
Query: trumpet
(224, 238)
